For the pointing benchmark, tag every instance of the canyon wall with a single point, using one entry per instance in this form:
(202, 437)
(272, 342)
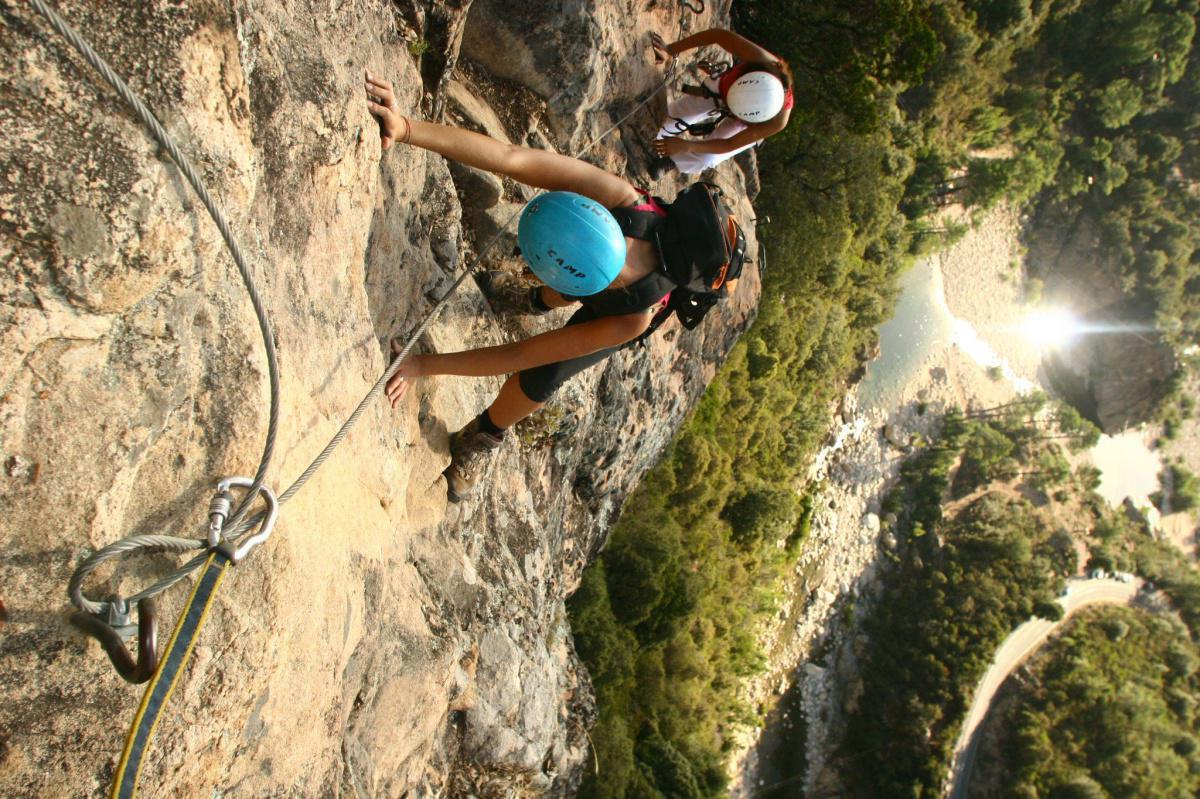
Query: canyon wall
(383, 642)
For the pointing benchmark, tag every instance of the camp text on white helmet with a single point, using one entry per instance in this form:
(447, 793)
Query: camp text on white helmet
(755, 97)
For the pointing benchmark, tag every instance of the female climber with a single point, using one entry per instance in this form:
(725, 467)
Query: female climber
(743, 105)
(574, 245)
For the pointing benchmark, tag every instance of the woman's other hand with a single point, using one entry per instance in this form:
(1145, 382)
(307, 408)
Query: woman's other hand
(662, 52)
(397, 385)
(381, 99)
(672, 145)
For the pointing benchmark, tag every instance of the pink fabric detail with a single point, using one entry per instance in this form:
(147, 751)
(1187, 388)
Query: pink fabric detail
(727, 78)
(661, 307)
(648, 203)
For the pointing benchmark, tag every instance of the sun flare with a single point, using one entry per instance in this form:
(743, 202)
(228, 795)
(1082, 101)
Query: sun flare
(1051, 328)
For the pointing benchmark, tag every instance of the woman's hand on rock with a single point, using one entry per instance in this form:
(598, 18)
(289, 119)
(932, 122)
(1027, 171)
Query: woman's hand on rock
(397, 385)
(672, 145)
(382, 102)
(661, 51)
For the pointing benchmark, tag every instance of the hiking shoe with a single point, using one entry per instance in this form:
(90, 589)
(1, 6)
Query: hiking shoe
(470, 450)
(508, 293)
(660, 166)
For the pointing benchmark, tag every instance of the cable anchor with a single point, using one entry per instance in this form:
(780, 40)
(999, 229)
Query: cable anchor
(113, 628)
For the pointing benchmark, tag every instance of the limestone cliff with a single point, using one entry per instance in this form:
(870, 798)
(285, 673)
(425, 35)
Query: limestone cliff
(1120, 372)
(383, 642)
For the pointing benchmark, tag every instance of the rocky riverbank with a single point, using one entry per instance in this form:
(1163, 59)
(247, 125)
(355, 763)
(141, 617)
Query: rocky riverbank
(812, 641)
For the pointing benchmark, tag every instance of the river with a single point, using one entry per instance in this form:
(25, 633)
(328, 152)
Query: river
(921, 328)
(925, 352)
(923, 325)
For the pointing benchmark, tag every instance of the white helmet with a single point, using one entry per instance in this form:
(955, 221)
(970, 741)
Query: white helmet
(755, 97)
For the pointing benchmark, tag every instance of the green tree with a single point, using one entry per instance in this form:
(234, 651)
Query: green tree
(999, 16)
(760, 512)
(989, 180)
(1051, 611)
(1118, 103)
(666, 769)
(1081, 787)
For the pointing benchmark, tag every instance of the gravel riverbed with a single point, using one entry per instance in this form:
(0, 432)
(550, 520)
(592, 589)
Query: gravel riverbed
(807, 640)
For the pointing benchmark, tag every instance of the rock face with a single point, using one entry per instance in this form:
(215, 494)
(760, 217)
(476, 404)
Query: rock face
(383, 642)
(1118, 375)
(566, 55)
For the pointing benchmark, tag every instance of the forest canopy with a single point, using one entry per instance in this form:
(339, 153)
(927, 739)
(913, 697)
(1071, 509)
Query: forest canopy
(1079, 111)
(1109, 710)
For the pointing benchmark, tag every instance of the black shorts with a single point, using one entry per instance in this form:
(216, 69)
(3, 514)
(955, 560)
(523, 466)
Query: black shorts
(540, 382)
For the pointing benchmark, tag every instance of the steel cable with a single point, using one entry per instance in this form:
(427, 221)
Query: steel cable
(238, 523)
(149, 543)
(161, 136)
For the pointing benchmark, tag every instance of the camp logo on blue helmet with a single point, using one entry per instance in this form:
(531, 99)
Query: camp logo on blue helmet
(572, 243)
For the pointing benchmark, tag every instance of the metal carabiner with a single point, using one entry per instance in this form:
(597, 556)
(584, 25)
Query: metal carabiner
(113, 632)
(219, 511)
(698, 8)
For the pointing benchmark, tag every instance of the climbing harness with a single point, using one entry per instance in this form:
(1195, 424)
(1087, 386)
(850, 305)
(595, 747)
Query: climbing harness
(712, 67)
(226, 541)
(678, 126)
(720, 111)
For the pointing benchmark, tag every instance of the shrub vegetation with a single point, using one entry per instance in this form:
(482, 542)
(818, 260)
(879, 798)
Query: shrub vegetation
(1109, 711)
(1082, 111)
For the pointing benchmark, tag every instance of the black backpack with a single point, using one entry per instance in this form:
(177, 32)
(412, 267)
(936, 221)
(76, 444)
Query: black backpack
(701, 248)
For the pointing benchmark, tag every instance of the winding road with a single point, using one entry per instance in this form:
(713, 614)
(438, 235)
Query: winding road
(1018, 646)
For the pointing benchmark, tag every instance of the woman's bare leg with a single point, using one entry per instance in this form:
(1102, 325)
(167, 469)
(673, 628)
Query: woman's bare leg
(539, 168)
(553, 299)
(511, 405)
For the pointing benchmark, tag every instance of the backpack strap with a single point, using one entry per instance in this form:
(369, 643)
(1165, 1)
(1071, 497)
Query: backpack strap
(638, 224)
(642, 220)
(637, 296)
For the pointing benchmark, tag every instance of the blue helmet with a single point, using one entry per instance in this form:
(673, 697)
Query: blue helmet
(572, 243)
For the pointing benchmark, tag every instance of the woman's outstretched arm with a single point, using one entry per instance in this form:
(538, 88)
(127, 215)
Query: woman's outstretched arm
(539, 168)
(552, 346)
(673, 145)
(738, 46)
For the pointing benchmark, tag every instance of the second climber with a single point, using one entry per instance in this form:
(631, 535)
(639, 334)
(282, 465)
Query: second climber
(727, 113)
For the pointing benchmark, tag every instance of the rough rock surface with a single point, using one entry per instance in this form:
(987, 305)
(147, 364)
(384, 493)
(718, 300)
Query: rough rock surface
(382, 643)
(1121, 378)
(1118, 379)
